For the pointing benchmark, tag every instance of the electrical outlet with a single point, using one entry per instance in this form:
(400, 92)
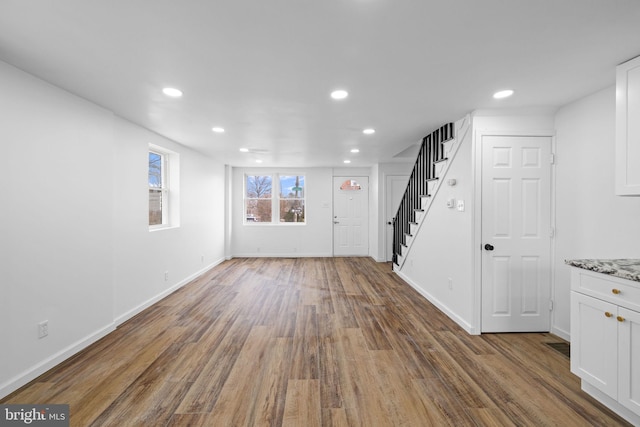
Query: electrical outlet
(450, 283)
(43, 329)
(166, 276)
(201, 258)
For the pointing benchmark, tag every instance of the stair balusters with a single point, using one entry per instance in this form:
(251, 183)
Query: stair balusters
(424, 169)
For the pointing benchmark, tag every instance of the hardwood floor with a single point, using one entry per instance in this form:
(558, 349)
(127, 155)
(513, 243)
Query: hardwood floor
(312, 342)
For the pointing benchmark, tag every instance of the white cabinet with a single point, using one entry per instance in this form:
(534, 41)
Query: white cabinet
(628, 128)
(629, 359)
(605, 339)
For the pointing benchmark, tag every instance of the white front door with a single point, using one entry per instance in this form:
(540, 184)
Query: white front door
(350, 216)
(516, 233)
(396, 186)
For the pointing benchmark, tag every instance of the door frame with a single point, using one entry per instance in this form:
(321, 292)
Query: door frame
(368, 228)
(477, 218)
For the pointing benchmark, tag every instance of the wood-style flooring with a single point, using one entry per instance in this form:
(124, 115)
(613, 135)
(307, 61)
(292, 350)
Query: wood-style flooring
(312, 342)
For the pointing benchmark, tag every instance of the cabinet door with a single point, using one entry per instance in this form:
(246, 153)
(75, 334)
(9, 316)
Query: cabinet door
(594, 342)
(628, 128)
(629, 357)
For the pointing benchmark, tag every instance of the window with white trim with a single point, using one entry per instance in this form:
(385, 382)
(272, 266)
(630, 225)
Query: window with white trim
(274, 199)
(163, 194)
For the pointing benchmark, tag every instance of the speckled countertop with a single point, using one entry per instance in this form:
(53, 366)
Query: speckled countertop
(624, 268)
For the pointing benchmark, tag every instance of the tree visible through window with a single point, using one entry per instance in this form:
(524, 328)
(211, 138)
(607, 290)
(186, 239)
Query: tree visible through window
(292, 198)
(274, 199)
(157, 187)
(258, 198)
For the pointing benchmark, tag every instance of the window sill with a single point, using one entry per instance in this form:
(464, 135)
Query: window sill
(274, 224)
(154, 228)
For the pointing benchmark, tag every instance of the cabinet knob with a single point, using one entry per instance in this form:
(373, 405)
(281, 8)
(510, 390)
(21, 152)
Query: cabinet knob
(615, 291)
(606, 313)
(620, 319)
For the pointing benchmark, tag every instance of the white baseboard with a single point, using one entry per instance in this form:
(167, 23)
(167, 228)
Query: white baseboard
(35, 371)
(561, 333)
(442, 307)
(148, 303)
(282, 255)
(32, 373)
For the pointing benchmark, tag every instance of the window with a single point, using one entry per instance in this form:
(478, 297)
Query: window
(291, 198)
(350, 185)
(258, 198)
(274, 199)
(163, 188)
(158, 194)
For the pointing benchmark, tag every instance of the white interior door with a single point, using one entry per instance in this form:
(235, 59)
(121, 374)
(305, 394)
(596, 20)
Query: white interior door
(516, 233)
(395, 188)
(350, 216)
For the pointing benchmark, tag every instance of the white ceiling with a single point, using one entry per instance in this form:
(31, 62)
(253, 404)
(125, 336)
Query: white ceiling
(263, 69)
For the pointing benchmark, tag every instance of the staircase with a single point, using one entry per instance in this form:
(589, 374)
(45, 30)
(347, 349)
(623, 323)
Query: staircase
(436, 152)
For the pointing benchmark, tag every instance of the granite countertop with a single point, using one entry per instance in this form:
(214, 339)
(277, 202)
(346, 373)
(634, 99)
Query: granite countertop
(624, 268)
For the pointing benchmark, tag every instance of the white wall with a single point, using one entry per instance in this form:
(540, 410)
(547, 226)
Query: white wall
(446, 245)
(75, 247)
(312, 239)
(591, 222)
(142, 257)
(441, 250)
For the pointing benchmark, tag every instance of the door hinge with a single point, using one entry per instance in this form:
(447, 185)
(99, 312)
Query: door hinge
(552, 159)
(550, 305)
(552, 232)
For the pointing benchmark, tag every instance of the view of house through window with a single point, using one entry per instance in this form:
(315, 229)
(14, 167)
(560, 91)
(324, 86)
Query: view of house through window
(274, 199)
(156, 189)
(258, 198)
(292, 198)
(350, 185)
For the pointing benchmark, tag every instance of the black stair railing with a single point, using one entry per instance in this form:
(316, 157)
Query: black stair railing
(431, 152)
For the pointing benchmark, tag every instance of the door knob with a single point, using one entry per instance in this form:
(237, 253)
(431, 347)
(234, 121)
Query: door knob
(488, 247)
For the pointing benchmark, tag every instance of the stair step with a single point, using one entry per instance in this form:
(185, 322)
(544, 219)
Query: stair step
(408, 238)
(432, 184)
(440, 161)
(425, 200)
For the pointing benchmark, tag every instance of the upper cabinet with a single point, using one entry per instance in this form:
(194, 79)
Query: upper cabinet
(628, 128)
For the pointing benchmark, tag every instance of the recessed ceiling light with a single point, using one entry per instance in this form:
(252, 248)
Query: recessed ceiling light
(347, 161)
(172, 92)
(355, 150)
(218, 129)
(339, 94)
(503, 94)
(369, 131)
(244, 150)
(258, 161)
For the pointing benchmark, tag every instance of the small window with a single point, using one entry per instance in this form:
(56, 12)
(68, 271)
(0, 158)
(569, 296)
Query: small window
(258, 199)
(164, 188)
(350, 185)
(292, 198)
(158, 190)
